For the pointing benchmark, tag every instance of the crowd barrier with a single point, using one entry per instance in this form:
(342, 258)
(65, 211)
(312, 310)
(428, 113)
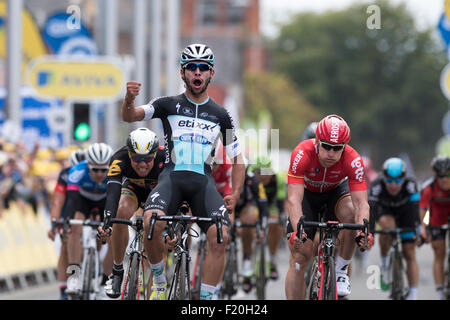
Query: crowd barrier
(27, 255)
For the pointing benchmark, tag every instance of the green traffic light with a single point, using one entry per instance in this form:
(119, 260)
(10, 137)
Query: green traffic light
(82, 131)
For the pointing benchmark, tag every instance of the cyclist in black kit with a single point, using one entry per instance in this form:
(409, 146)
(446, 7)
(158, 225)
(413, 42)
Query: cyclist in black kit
(133, 173)
(192, 124)
(394, 202)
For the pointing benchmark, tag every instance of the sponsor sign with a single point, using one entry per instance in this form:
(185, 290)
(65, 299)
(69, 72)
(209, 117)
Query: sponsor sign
(83, 79)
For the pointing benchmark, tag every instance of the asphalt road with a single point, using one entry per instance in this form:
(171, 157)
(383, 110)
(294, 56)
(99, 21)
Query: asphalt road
(363, 280)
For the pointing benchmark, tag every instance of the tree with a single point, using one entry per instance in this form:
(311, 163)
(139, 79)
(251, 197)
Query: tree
(275, 94)
(384, 82)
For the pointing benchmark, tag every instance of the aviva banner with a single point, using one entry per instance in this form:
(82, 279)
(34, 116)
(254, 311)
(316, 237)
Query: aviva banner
(77, 78)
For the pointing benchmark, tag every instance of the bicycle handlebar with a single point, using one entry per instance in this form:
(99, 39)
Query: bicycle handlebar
(216, 219)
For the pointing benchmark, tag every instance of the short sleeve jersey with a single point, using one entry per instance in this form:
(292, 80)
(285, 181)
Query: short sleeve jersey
(306, 169)
(191, 131)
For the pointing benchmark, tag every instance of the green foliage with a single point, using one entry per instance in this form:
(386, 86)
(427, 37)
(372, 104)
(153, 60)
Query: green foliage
(277, 95)
(384, 82)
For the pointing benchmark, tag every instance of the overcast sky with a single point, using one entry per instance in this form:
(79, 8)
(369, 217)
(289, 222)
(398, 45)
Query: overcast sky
(426, 12)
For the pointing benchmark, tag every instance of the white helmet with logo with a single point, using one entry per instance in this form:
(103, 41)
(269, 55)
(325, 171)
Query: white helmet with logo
(197, 52)
(99, 153)
(142, 141)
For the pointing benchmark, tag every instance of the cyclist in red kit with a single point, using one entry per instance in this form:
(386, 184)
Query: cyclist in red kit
(325, 171)
(221, 171)
(435, 197)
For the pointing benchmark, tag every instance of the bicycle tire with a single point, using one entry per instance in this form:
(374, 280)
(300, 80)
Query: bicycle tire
(199, 271)
(231, 277)
(398, 285)
(88, 275)
(182, 291)
(132, 289)
(331, 280)
(312, 281)
(261, 272)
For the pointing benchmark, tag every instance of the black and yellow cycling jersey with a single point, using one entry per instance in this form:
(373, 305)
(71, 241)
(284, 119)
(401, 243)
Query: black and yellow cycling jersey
(123, 179)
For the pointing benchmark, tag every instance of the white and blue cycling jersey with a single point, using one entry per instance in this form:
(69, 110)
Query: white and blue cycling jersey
(191, 131)
(80, 180)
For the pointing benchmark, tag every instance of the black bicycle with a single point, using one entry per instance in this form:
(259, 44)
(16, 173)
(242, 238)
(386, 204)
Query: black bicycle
(180, 288)
(445, 229)
(135, 270)
(397, 273)
(230, 282)
(322, 284)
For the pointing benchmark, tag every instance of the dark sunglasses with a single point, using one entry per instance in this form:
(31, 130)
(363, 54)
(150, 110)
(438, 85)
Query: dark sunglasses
(397, 181)
(328, 147)
(193, 66)
(445, 175)
(146, 159)
(102, 170)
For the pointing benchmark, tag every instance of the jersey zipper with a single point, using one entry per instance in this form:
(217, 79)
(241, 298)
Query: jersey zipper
(323, 180)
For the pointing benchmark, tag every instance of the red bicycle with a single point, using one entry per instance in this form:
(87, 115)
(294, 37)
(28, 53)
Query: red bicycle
(322, 282)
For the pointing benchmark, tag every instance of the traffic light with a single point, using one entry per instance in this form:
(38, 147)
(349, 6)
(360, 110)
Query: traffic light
(81, 121)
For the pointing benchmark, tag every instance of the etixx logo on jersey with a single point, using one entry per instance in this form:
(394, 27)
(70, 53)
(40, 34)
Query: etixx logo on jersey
(197, 124)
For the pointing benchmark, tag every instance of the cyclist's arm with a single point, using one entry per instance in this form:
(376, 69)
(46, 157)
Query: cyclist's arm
(73, 197)
(361, 205)
(113, 197)
(130, 113)
(294, 203)
(57, 204)
(237, 175)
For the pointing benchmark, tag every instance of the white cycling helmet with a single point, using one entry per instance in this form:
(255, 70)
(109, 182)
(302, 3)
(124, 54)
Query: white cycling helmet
(77, 156)
(99, 153)
(197, 52)
(142, 141)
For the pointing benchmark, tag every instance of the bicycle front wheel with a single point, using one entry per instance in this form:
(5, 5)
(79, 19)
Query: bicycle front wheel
(88, 275)
(398, 283)
(132, 290)
(231, 277)
(180, 286)
(331, 293)
(312, 278)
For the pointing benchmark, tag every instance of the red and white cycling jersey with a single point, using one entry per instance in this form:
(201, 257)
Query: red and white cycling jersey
(222, 178)
(438, 201)
(306, 169)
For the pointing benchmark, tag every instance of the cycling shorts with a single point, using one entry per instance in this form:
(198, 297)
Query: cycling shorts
(88, 207)
(314, 202)
(198, 190)
(405, 216)
(136, 192)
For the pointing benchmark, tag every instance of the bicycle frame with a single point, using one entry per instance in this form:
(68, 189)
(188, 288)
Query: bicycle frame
(396, 261)
(181, 248)
(132, 281)
(325, 265)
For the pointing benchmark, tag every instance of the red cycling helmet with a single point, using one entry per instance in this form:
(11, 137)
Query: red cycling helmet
(333, 129)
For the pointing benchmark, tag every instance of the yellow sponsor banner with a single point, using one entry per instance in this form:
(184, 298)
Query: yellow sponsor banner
(28, 247)
(83, 79)
(32, 43)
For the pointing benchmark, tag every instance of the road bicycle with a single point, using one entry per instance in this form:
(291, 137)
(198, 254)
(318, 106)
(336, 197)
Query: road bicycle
(259, 258)
(134, 280)
(90, 266)
(198, 266)
(397, 274)
(180, 288)
(322, 282)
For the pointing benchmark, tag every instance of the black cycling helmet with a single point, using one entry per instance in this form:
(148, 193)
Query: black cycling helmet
(310, 131)
(440, 164)
(394, 168)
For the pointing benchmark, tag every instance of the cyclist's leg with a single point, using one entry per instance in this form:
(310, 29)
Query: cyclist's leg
(438, 245)
(406, 219)
(301, 253)
(208, 202)
(127, 206)
(164, 199)
(74, 254)
(273, 240)
(248, 215)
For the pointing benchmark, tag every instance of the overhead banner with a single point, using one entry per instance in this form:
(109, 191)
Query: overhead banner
(100, 79)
